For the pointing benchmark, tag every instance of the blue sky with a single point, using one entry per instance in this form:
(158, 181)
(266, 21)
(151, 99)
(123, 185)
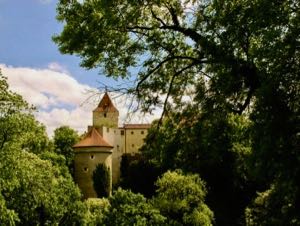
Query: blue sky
(53, 82)
(26, 30)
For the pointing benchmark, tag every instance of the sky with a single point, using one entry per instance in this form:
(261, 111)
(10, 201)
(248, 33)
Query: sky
(54, 83)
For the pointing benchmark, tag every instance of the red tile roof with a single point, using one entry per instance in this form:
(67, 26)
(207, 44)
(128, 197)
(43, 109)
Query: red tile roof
(106, 105)
(92, 139)
(136, 126)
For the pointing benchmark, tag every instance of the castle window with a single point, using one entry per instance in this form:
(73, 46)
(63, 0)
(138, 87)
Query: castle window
(118, 148)
(104, 115)
(92, 156)
(86, 169)
(142, 132)
(132, 145)
(107, 130)
(122, 132)
(132, 132)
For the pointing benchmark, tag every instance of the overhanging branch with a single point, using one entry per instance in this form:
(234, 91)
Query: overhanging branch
(169, 91)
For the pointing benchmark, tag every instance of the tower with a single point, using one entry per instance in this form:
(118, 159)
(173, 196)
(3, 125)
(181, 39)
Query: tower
(89, 152)
(106, 114)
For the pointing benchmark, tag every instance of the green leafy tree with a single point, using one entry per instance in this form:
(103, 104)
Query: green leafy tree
(138, 174)
(35, 191)
(181, 199)
(238, 57)
(17, 122)
(213, 146)
(102, 180)
(64, 139)
(56, 160)
(32, 190)
(96, 211)
(279, 200)
(127, 208)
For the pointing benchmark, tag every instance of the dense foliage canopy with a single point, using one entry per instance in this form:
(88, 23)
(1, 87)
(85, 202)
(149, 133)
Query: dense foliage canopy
(33, 191)
(181, 199)
(208, 62)
(64, 139)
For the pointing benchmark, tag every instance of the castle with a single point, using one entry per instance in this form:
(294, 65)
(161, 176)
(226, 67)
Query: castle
(105, 143)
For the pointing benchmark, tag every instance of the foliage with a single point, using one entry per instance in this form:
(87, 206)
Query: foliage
(64, 139)
(96, 211)
(7, 216)
(127, 208)
(138, 174)
(213, 146)
(238, 57)
(181, 199)
(270, 203)
(56, 160)
(35, 190)
(18, 123)
(102, 180)
(32, 190)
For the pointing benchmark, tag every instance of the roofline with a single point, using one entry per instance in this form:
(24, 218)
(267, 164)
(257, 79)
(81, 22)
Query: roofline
(88, 151)
(93, 146)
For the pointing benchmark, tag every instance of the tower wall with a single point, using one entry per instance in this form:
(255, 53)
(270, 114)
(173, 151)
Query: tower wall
(134, 139)
(115, 137)
(107, 119)
(85, 162)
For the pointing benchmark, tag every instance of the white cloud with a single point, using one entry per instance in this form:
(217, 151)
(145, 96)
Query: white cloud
(45, 1)
(60, 99)
(58, 67)
(45, 87)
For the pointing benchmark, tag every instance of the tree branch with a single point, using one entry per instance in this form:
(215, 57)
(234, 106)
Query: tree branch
(157, 18)
(246, 103)
(163, 62)
(169, 92)
(173, 16)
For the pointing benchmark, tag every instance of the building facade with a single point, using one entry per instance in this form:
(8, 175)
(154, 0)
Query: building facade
(105, 143)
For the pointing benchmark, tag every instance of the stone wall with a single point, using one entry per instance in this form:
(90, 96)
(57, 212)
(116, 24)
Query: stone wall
(85, 162)
(108, 119)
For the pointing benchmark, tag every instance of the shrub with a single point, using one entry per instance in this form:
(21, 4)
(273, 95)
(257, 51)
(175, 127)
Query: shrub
(102, 180)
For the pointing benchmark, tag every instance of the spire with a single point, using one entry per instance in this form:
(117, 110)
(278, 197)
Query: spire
(106, 104)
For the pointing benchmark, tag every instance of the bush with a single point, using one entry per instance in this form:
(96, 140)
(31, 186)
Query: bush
(181, 199)
(96, 211)
(127, 208)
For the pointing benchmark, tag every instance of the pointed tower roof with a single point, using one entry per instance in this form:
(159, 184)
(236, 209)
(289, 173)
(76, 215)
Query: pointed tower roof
(106, 105)
(92, 139)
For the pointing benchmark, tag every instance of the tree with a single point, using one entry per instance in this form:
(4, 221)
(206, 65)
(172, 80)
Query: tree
(64, 139)
(35, 191)
(139, 174)
(181, 199)
(17, 122)
(172, 41)
(216, 146)
(238, 57)
(96, 211)
(127, 208)
(32, 190)
(102, 180)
